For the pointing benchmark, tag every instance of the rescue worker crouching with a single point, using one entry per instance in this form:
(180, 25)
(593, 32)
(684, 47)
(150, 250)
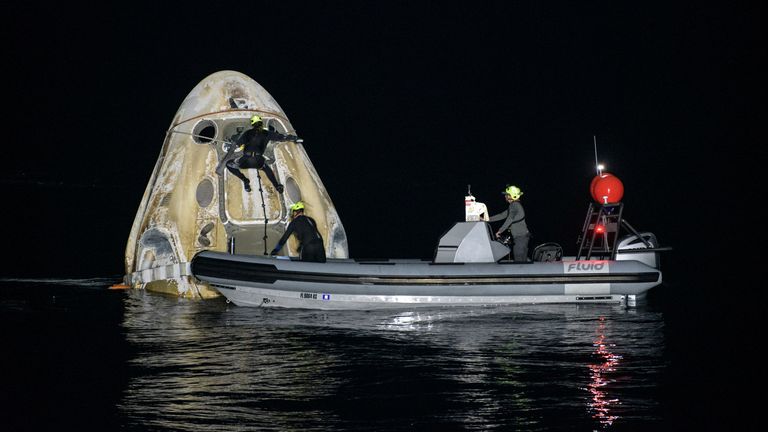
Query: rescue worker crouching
(514, 221)
(305, 229)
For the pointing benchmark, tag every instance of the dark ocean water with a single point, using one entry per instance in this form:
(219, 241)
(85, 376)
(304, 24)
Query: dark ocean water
(79, 356)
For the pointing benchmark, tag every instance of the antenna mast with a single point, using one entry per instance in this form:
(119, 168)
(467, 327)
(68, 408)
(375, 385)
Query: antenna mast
(597, 163)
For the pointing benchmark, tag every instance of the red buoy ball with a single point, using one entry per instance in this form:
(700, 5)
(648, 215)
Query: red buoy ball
(607, 189)
(594, 182)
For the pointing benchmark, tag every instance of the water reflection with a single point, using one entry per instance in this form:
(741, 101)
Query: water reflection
(600, 375)
(520, 367)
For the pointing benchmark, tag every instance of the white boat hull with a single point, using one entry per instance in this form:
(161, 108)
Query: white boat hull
(347, 284)
(261, 297)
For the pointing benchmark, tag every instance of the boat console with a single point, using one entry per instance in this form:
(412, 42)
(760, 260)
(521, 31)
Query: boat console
(469, 242)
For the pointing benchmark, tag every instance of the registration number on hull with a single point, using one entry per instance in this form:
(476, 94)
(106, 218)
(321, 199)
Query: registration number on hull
(314, 296)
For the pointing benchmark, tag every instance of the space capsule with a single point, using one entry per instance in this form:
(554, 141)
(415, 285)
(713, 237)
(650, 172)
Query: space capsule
(192, 203)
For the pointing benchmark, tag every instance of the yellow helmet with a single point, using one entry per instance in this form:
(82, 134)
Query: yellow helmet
(255, 120)
(297, 206)
(513, 191)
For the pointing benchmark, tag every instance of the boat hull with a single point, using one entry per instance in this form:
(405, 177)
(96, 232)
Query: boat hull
(398, 284)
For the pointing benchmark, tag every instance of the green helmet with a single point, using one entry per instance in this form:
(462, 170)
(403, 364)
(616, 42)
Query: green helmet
(297, 206)
(256, 120)
(513, 191)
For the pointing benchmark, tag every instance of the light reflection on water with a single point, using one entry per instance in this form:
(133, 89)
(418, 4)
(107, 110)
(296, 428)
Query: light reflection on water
(601, 373)
(547, 367)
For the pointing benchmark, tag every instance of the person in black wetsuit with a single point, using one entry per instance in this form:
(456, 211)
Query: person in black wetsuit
(514, 221)
(305, 229)
(254, 142)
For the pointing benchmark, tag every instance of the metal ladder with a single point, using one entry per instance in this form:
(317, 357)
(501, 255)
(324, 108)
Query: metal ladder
(601, 229)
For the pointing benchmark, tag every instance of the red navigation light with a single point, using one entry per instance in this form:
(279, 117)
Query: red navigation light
(599, 229)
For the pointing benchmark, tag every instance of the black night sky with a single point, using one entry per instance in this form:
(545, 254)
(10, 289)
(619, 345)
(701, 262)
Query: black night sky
(401, 106)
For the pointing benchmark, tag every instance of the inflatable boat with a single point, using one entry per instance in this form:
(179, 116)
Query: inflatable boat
(469, 268)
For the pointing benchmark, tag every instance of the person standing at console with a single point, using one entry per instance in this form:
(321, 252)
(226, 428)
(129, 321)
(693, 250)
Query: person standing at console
(514, 221)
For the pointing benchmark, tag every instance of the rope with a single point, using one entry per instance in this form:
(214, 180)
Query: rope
(219, 141)
(271, 113)
(263, 209)
(200, 136)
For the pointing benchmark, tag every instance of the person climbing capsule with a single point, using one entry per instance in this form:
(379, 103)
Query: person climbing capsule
(253, 143)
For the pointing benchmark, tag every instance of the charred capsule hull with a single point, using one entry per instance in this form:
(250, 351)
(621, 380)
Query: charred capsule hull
(193, 203)
(349, 284)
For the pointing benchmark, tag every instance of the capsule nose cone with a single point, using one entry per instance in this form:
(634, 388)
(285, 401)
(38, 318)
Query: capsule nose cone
(230, 91)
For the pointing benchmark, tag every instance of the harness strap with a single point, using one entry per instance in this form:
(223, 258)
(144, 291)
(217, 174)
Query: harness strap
(312, 222)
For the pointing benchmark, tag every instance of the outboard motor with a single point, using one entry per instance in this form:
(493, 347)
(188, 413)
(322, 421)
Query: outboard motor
(631, 248)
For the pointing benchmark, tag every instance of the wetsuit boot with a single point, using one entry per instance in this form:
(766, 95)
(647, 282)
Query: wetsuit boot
(271, 176)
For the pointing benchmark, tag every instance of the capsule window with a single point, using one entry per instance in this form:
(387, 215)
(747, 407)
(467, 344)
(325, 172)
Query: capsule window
(292, 190)
(204, 132)
(276, 125)
(204, 193)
